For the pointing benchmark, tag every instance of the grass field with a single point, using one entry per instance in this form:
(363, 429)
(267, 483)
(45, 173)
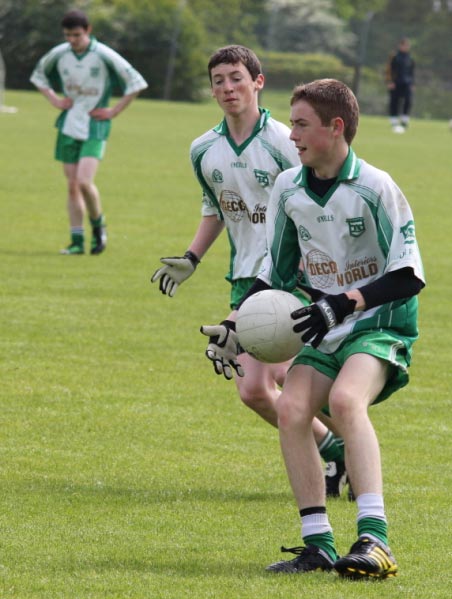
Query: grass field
(127, 468)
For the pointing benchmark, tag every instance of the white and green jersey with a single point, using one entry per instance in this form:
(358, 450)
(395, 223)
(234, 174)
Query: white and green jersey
(237, 182)
(361, 229)
(88, 79)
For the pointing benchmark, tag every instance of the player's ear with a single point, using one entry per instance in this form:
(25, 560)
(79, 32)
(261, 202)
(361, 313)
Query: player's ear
(338, 126)
(259, 82)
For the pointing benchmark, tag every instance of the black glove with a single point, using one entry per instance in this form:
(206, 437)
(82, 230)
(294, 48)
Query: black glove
(223, 348)
(320, 317)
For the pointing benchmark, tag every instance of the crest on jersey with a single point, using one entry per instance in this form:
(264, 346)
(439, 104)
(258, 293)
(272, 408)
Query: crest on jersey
(408, 232)
(356, 226)
(304, 233)
(217, 176)
(262, 177)
(94, 71)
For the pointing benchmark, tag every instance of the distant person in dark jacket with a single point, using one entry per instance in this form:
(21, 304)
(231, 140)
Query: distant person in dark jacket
(400, 81)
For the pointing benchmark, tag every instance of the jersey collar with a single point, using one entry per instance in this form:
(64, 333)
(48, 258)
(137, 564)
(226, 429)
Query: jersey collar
(223, 129)
(91, 46)
(349, 170)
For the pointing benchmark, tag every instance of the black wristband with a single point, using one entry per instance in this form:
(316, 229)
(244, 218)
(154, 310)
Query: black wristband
(335, 308)
(192, 257)
(229, 324)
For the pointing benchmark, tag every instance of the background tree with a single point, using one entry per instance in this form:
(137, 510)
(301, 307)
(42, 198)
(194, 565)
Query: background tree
(138, 29)
(306, 26)
(28, 28)
(351, 39)
(231, 22)
(143, 33)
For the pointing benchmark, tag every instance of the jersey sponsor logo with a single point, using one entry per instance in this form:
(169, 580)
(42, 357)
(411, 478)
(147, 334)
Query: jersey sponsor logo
(87, 91)
(217, 176)
(304, 233)
(239, 164)
(324, 272)
(356, 226)
(262, 177)
(408, 232)
(321, 268)
(235, 208)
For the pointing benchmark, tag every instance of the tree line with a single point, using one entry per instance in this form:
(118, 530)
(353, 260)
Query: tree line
(169, 41)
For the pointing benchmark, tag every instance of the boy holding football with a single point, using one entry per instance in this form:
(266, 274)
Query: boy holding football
(354, 231)
(236, 164)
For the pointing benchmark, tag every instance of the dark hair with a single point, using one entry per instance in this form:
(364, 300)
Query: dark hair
(233, 55)
(330, 99)
(73, 19)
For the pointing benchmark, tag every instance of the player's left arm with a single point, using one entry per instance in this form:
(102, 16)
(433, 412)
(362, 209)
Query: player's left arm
(107, 113)
(329, 310)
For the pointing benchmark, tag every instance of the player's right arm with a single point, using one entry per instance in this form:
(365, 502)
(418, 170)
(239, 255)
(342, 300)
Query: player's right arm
(62, 103)
(224, 347)
(45, 74)
(178, 269)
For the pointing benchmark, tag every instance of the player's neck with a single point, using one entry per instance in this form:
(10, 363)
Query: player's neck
(332, 164)
(241, 126)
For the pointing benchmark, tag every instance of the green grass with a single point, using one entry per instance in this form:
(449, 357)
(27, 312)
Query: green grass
(127, 469)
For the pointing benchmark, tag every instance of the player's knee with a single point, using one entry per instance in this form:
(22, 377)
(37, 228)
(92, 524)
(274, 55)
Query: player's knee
(291, 414)
(254, 396)
(85, 186)
(342, 403)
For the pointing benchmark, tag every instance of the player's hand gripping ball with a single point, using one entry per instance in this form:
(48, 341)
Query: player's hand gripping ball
(265, 328)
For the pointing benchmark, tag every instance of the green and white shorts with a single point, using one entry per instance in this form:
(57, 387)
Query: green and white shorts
(70, 150)
(380, 343)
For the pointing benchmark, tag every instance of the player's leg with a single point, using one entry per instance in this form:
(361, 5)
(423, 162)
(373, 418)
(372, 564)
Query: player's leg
(358, 384)
(360, 380)
(86, 172)
(394, 109)
(67, 151)
(406, 106)
(396, 97)
(91, 154)
(259, 389)
(330, 446)
(304, 393)
(76, 210)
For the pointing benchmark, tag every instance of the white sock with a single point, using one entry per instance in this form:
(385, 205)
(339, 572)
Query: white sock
(370, 505)
(315, 524)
